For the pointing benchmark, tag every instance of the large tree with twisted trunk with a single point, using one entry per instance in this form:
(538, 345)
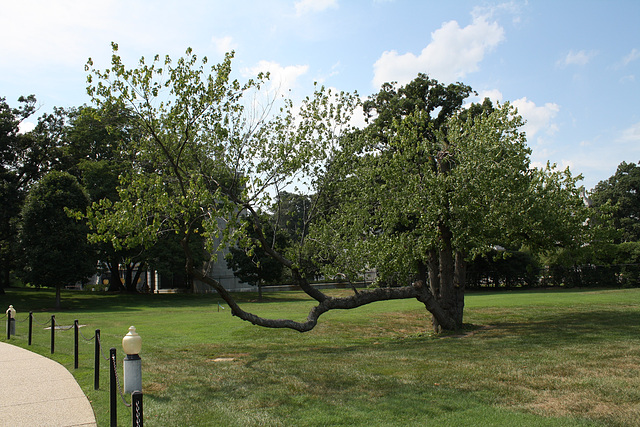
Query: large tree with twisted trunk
(429, 185)
(214, 152)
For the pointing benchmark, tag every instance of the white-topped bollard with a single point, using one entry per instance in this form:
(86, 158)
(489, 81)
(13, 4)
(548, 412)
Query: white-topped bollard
(132, 344)
(11, 321)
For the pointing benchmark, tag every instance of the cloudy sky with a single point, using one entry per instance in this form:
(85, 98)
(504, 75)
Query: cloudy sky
(571, 67)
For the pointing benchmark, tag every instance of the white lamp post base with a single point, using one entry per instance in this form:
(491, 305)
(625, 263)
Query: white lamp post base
(132, 373)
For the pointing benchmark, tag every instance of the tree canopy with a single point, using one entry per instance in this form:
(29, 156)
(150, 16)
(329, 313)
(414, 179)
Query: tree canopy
(425, 190)
(24, 158)
(54, 245)
(622, 192)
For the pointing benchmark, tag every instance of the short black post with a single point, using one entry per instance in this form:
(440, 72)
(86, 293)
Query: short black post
(75, 344)
(96, 361)
(53, 333)
(8, 325)
(30, 326)
(112, 387)
(136, 404)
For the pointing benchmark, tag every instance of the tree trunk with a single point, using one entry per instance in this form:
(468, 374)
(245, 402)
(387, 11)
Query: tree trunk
(5, 277)
(58, 298)
(136, 278)
(447, 278)
(115, 284)
(447, 297)
(433, 267)
(459, 284)
(128, 276)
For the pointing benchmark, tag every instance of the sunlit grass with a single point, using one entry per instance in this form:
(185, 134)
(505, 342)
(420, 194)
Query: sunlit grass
(551, 358)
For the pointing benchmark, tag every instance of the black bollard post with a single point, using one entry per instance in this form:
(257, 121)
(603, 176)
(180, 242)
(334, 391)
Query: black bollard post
(53, 333)
(136, 404)
(8, 325)
(112, 387)
(75, 344)
(30, 326)
(96, 361)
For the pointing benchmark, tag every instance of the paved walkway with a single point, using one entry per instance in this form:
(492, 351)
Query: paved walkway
(37, 391)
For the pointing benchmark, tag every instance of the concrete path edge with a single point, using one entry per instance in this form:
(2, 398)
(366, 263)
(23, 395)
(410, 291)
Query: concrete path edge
(38, 391)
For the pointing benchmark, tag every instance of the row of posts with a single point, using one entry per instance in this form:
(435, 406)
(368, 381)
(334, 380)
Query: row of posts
(132, 366)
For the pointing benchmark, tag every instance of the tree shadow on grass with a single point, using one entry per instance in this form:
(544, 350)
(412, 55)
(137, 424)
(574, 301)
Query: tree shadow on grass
(43, 300)
(572, 328)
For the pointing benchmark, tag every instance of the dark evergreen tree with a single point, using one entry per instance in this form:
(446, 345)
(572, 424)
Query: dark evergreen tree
(53, 243)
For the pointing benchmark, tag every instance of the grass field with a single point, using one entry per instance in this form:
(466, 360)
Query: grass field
(528, 358)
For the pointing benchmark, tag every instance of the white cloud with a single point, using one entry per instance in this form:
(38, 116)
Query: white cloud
(55, 32)
(452, 53)
(283, 79)
(68, 32)
(322, 77)
(493, 94)
(632, 56)
(25, 127)
(631, 134)
(512, 8)
(313, 6)
(564, 163)
(538, 119)
(358, 119)
(631, 78)
(223, 45)
(581, 57)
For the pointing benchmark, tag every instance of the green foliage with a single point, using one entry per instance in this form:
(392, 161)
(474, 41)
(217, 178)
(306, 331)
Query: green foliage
(167, 257)
(54, 245)
(24, 158)
(622, 192)
(91, 148)
(253, 264)
(628, 257)
(395, 199)
(206, 150)
(424, 183)
(503, 269)
(428, 185)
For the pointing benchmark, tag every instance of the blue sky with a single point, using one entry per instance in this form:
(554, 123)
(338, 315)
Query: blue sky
(571, 67)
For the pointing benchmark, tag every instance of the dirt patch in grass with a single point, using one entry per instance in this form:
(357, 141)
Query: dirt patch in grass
(228, 357)
(154, 388)
(586, 405)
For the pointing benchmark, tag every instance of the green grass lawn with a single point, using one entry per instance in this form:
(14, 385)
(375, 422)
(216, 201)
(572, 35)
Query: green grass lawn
(528, 358)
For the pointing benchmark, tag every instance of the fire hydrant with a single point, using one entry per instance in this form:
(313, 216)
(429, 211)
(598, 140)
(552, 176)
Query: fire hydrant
(11, 321)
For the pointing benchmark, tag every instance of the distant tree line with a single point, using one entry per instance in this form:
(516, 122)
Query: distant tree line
(49, 177)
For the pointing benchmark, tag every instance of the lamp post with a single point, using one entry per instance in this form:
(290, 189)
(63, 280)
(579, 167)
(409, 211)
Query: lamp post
(132, 344)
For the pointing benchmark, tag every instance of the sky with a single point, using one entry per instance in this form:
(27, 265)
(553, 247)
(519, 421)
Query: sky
(571, 67)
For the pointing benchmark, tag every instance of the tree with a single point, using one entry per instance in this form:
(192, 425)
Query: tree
(24, 158)
(54, 245)
(428, 186)
(207, 157)
(503, 268)
(251, 263)
(92, 151)
(622, 191)
(616, 208)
